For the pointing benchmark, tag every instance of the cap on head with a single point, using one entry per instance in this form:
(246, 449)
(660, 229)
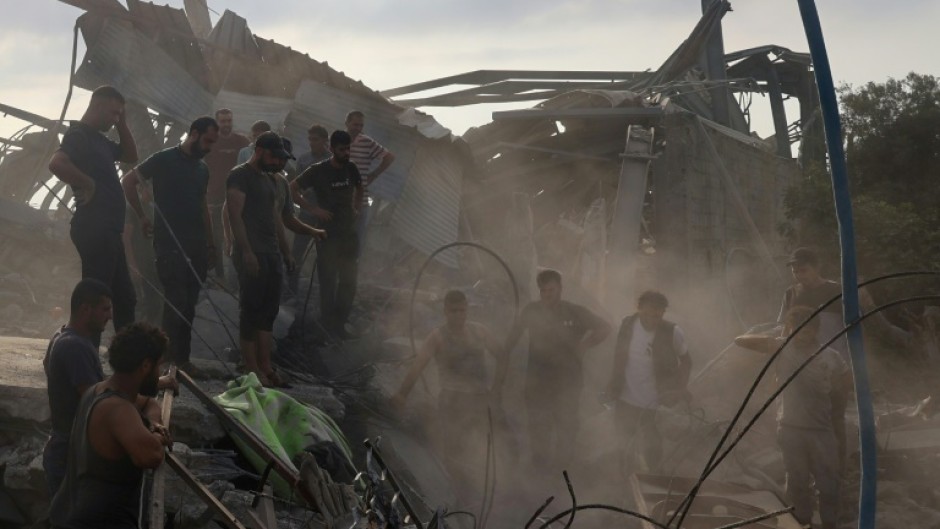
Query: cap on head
(803, 256)
(272, 142)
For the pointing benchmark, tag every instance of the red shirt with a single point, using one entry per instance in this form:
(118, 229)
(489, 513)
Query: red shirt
(221, 160)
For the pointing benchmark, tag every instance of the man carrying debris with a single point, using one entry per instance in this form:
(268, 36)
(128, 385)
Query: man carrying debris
(112, 439)
(805, 430)
(86, 162)
(651, 368)
(221, 160)
(72, 366)
(319, 141)
(181, 229)
(338, 189)
(559, 335)
(458, 349)
(260, 247)
(363, 152)
(813, 290)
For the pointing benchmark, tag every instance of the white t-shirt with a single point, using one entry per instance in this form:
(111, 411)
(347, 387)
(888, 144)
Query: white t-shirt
(640, 390)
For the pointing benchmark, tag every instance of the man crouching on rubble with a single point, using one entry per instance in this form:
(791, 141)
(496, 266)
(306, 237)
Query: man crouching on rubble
(458, 348)
(112, 442)
(805, 432)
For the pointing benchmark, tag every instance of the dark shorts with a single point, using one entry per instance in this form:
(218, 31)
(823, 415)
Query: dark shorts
(260, 295)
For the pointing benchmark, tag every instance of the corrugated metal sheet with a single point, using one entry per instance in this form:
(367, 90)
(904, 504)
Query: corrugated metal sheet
(122, 57)
(231, 32)
(427, 213)
(248, 109)
(170, 29)
(318, 103)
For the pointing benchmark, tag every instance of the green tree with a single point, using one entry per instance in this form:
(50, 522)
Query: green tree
(892, 145)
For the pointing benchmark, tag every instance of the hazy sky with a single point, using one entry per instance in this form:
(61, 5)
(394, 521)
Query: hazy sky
(391, 43)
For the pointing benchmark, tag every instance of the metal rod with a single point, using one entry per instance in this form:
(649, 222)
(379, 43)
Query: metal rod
(157, 495)
(226, 515)
(394, 483)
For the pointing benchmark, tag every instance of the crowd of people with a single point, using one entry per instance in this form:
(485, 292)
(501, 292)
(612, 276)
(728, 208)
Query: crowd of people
(219, 199)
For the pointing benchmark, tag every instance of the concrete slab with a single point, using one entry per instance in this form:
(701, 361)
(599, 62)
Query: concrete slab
(22, 379)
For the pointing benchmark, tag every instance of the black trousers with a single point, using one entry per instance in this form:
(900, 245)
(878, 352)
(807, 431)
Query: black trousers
(102, 255)
(337, 271)
(181, 288)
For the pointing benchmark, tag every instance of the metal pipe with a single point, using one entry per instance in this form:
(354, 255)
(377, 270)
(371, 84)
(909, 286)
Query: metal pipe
(829, 104)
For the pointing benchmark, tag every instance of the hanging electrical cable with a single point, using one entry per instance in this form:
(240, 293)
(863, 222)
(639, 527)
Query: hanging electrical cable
(829, 105)
(766, 367)
(685, 505)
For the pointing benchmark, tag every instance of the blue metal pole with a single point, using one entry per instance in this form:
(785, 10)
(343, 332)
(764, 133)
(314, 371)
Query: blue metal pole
(843, 204)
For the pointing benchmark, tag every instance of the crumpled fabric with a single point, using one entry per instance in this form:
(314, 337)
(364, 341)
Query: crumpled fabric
(286, 425)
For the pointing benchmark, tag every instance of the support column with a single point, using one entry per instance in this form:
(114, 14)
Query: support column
(623, 241)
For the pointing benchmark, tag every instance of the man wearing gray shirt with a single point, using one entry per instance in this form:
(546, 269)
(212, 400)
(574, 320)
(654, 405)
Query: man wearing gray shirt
(804, 419)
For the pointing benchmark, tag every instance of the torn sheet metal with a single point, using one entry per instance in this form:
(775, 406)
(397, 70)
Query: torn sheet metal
(717, 504)
(122, 57)
(426, 215)
(319, 103)
(248, 109)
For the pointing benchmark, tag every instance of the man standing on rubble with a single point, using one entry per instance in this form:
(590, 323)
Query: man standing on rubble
(338, 189)
(560, 333)
(181, 229)
(258, 208)
(257, 129)
(458, 349)
(319, 141)
(220, 161)
(86, 162)
(363, 152)
(651, 368)
(805, 430)
(112, 440)
(72, 365)
(813, 290)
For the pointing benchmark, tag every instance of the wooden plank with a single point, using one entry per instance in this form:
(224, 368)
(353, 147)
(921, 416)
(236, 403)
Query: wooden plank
(157, 504)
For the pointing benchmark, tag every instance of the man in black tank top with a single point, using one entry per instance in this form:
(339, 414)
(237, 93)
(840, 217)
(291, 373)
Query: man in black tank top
(458, 348)
(111, 441)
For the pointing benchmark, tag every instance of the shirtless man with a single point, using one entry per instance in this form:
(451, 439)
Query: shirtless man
(458, 349)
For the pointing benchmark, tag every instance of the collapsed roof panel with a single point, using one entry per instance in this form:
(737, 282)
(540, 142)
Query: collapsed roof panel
(120, 56)
(319, 103)
(251, 108)
(170, 29)
(427, 213)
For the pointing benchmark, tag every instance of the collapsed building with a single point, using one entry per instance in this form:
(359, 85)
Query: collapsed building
(621, 180)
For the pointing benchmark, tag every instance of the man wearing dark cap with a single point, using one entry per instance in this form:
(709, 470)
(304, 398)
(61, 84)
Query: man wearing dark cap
(338, 188)
(256, 216)
(86, 162)
(812, 290)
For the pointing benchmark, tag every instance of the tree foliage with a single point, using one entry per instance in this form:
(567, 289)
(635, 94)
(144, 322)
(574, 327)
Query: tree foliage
(892, 145)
